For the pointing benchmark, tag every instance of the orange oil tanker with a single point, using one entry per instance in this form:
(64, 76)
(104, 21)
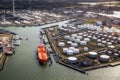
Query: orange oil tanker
(42, 54)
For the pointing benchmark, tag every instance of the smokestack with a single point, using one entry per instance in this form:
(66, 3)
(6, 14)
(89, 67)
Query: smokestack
(13, 2)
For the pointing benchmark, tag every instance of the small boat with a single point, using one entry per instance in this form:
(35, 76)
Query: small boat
(42, 54)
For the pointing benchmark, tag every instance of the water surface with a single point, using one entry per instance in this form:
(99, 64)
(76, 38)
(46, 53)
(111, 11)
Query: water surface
(23, 65)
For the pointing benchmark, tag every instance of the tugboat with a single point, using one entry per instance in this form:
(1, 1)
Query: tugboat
(42, 54)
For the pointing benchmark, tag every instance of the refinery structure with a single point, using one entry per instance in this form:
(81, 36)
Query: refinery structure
(85, 47)
(89, 40)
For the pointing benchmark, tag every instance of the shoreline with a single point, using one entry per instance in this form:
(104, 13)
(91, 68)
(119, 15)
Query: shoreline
(3, 62)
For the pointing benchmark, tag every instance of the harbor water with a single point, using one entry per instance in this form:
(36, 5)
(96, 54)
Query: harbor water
(23, 65)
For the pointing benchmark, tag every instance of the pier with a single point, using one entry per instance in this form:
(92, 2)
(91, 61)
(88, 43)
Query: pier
(7, 43)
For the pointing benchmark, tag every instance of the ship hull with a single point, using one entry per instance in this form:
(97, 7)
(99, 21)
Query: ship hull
(42, 54)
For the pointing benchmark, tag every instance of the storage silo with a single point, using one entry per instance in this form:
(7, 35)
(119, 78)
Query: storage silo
(71, 48)
(76, 51)
(104, 58)
(86, 49)
(77, 40)
(1, 47)
(80, 34)
(93, 54)
(83, 43)
(65, 50)
(85, 35)
(104, 42)
(72, 39)
(74, 35)
(94, 38)
(61, 44)
(70, 52)
(99, 44)
(107, 40)
(116, 55)
(103, 39)
(109, 37)
(66, 37)
(119, 40)
(69, 42)
(80, 37)
(90, 37)
(74, 45)
(111, 47)
(109, 53)
(72, 60)
(99, 40)
(105, 36)
(87, 39)
(109, 43)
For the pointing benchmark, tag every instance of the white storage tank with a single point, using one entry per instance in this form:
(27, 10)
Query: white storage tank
(66, 37)
(86, 49)
(65, 30)
(104, 58)
(119, 40)
(98, 36)
(72, 60)
(109, 36)
(85, 35)
(72, 39)
(65, 50)
(69, 42)
(107, 39)
(74, 35)
(76, 51)
(80, 34)
(71, 48)
(104, 42)
(114, 38)
(116, 55)
(99, 40)
(99, 44)
(93, 54)
(61, 44)
(103, 38)
(83, 43)
(101, 35)
(87, 39)
(90, 37)
(109, 43)
(111, 47)
(74, 45)
(109, 53)
(77, 40)
(94, 38)
(70, 52)
(80, 37)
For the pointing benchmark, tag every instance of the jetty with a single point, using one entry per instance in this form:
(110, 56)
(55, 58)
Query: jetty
(8, 40)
